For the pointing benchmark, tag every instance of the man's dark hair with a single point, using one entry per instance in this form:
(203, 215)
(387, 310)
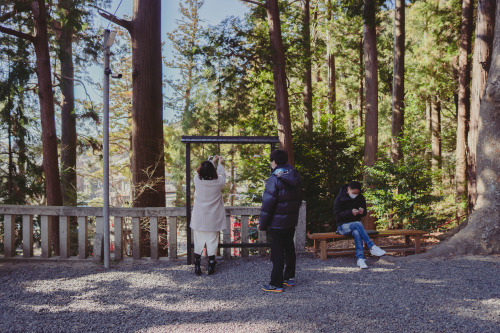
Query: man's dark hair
(279, 156)
(207, 171)
(354, 185)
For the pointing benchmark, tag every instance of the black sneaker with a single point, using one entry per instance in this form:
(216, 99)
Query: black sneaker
(268, 287)
(289, 282)
(211, 267)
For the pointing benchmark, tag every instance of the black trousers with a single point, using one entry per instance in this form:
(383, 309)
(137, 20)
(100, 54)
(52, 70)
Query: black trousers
(282, 255)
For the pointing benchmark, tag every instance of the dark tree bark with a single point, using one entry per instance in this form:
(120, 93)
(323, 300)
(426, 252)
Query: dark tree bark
(361, 85)
(148, 162)
(308, 93)
(371, 83)
(436, 133)
(279, 74)
(398, 90)
(481, 235)
(332, 95)
(483, 43)
(68, 119)
(147, 110)
(463, 100)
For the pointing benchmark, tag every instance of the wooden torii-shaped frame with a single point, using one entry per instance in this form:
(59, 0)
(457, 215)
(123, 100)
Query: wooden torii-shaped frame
(188, 140)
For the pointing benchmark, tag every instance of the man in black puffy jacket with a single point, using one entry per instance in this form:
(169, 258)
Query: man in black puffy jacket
(349, 208)
(280, 213)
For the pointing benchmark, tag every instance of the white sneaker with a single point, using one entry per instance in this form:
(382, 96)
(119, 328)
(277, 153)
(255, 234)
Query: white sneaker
(377, 251)
(361, 263)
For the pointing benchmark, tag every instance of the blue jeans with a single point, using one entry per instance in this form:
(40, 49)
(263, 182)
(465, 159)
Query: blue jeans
(359, 234)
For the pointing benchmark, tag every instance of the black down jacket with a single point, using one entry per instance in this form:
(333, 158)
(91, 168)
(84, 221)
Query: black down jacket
(281, 199)
(344, 204)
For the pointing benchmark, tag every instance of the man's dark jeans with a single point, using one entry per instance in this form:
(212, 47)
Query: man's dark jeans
(282, 255)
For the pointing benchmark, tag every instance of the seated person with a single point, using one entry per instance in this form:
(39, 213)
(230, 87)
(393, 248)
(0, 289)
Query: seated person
(349, 208)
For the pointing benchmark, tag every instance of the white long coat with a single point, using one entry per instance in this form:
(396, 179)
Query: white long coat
(208, 210)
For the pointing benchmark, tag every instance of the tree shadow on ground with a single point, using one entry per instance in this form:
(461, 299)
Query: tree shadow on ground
(458, 294)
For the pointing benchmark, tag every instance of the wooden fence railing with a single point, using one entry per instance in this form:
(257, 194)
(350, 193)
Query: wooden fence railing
(119, 216)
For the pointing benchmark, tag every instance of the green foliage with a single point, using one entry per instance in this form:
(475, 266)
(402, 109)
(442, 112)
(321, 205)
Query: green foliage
(326, 160)
(402, 193)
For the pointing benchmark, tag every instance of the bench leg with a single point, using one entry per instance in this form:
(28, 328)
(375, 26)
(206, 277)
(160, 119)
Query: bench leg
(417, 244)
(375, 240)
(322, 246)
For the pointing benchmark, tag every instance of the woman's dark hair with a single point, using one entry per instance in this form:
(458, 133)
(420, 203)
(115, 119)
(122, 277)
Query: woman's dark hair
(354, 185)
(207, 171)
(279, 156)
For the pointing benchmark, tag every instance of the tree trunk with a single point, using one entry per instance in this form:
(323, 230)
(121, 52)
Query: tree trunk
(436, 133)
(371, 83)
(279, 75)
(147, 115)
(481, 64)
(148, 162)
(306, 39)
(398, 90)
(332, 96)
(360, 84)
(482, 233)
(428, 118)
(68, 119)
(46, 96)
(463, 101)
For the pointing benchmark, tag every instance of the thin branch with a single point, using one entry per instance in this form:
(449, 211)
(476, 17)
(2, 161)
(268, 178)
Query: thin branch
(110, 17)
(16, 33)
(255, 3)
(58, 76)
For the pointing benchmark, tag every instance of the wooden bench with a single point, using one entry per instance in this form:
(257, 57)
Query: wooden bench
(320, 240)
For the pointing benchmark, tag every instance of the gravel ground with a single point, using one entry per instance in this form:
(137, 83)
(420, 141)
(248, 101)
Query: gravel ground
(459, 294)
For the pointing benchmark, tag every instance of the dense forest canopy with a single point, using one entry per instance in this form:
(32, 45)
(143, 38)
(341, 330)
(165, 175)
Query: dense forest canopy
(356, 90)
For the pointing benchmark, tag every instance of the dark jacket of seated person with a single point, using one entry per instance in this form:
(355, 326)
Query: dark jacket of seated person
(281, 199)
(344, 204)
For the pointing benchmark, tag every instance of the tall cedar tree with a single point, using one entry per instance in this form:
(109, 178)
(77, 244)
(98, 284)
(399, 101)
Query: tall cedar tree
(148, 163)
(279, 75)
(306, 39)
(483, 48)
(463, 100)
(398, 88)
(40, 41)
(371, 84)
(332, 98)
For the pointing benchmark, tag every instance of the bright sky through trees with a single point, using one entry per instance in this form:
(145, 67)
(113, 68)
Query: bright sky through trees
(212, 13)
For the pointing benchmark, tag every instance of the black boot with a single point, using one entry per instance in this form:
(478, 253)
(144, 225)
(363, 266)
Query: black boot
(211, 265)
(197, 264)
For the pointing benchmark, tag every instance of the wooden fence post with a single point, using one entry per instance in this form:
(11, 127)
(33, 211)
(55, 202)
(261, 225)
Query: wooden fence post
(27, 236)
(9, 235)
(83, 248)
(46, 235)
(172, 237)
(244, 235)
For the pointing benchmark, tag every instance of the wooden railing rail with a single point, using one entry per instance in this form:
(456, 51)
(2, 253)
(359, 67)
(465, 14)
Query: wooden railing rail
(82, 214)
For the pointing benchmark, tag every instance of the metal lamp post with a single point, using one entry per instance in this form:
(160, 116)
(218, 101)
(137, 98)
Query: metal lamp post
(109, 37)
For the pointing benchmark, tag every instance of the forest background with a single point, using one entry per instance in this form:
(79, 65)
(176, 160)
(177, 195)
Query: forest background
(374, 90)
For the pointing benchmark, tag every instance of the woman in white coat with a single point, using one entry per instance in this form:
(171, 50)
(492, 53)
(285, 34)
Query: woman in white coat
(208, 217)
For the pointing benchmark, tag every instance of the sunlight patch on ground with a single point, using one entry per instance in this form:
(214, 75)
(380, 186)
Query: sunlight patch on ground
(76, 306)
(475, 309)
(429, 281)
(228, 326)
